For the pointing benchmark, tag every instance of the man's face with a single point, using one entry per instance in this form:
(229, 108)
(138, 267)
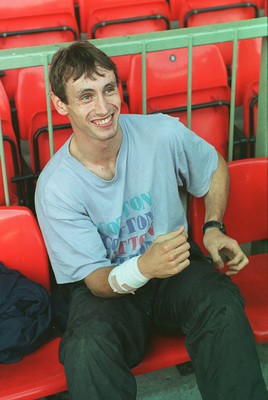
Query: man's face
(94, 105)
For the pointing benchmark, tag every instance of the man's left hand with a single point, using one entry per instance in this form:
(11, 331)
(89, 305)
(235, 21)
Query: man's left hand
(221, 247)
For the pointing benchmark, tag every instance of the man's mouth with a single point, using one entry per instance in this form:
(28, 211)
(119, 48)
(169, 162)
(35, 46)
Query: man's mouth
(104, 121)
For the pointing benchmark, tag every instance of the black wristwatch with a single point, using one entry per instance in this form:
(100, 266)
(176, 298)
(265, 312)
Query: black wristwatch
(214, 224)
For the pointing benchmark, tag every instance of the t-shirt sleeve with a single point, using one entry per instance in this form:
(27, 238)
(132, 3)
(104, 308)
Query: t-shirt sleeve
(73, 242)
(196, 161)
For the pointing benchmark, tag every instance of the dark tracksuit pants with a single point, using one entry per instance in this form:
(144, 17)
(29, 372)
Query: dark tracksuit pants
(105, 338)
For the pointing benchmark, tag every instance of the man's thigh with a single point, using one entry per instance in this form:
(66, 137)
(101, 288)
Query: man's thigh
(121, 319)
(182, 297)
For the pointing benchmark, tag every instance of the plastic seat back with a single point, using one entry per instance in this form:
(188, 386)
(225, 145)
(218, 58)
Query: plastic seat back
(250, 114)
(30, 18)
(207, 12)
(21, 244)
(38, 374)
(32, 117)
(246, 221)
(11, 153)
(108, 18)
(247, 86)
(248, 204)
(247, 72)
(175, 7)
(246, 215)
(166, 90)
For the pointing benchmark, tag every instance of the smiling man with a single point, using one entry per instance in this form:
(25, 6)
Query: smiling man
(115, 229)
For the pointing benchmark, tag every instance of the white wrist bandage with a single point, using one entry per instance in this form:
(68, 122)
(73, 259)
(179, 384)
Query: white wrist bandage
(126, 277)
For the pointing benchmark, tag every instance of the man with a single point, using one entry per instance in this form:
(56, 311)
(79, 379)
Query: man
(116, 232)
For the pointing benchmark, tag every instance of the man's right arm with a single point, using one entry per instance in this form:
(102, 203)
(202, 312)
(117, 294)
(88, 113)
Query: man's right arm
(98, 283)
(167, 256)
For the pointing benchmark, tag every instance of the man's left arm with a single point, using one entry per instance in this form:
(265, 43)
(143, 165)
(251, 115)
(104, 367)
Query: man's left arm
(216, 242)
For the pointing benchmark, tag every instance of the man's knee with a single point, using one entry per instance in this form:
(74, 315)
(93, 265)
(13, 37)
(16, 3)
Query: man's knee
(213, 303)
(220, 310)
(86, 341)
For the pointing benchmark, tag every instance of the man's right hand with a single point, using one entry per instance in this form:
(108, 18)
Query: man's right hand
(167, 256)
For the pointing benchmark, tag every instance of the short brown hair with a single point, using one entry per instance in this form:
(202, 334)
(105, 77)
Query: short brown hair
(78, 59)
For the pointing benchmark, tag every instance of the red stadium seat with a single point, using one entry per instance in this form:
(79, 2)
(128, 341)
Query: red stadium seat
(40, 374)
(250, 114)
(34, 23)
(247, 86)
(207, 12)
(265, 9)
(210, 91)
(175, 7)
(246, 221)
(124, 105)
(11, 153)
(108, 18)
(247, 72)
(36, 20)
(19, 230)
(32, 117)
(165, 351)
(261, 3)
(37, 375)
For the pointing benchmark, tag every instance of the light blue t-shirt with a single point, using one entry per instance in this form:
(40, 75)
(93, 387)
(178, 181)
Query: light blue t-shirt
(88, 222)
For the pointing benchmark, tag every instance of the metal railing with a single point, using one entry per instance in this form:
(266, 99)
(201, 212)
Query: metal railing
(143, 43)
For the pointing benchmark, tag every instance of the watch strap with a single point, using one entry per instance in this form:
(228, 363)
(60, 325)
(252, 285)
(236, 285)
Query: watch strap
(214, 224)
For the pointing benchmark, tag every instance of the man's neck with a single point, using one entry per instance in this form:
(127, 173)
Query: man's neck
(98, 157)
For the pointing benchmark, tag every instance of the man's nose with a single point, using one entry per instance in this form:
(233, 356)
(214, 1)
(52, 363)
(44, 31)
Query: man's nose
(101, 104)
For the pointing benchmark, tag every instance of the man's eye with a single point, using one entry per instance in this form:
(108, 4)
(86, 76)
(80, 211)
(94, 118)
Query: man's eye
(86, 97)
(110, 89)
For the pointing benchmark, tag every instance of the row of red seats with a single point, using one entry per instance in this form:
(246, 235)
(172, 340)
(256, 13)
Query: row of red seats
(40, 374)
(104, 18)
(169, 68)
(31, 23)
(99, 17)
(38, 22)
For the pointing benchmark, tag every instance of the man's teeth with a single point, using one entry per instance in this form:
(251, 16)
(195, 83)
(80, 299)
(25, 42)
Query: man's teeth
(103, 121)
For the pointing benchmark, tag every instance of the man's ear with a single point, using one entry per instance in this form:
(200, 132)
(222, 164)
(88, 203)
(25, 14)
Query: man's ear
(58, 103)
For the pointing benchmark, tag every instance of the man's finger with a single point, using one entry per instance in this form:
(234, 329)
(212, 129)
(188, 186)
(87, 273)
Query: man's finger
(170, 235)
(216, 258)
(239, 261)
